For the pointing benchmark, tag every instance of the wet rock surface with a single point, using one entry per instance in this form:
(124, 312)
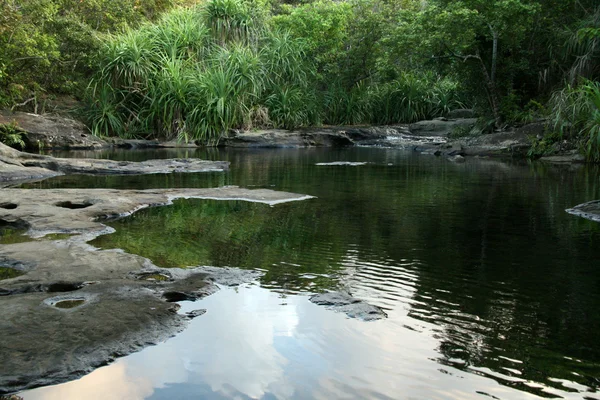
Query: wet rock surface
(17, 166)
(275, 138)
(589, 210)
(352, 307)
(75, 307)
(81, 210)
(49, 132)
(342, 163)
(110, 167)
(441, 126)
(572, 156)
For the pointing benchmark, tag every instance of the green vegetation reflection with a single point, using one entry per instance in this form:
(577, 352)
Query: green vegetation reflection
(232, 233)
(9, 273)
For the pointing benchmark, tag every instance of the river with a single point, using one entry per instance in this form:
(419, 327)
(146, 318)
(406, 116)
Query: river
(491, 289)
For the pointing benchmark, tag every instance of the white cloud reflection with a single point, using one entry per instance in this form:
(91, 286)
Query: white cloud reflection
(250, 345)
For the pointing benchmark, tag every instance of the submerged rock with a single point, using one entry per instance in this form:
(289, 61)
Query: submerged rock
(589, 210)
(342, 163)
(352, 307)
(227, 276)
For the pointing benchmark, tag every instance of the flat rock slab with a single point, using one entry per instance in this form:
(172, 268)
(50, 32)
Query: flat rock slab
(81, 210)
(589, 210)
(18, 166)
(352, 307)
(16, 173)
(342, 163)
(75, 308)
(110, 167)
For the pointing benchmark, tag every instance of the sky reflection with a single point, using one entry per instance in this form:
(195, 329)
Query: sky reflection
(257, 344)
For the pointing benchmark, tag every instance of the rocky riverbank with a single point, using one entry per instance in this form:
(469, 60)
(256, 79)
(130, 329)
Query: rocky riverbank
(457, 135)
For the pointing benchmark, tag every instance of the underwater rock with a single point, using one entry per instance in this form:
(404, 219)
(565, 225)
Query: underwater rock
(352, 307)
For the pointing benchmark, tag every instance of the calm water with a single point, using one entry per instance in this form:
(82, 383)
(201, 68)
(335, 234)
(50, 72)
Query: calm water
(492, 290)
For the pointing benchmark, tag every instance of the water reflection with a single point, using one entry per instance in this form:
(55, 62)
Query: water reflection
(251, 344)
(490, 287)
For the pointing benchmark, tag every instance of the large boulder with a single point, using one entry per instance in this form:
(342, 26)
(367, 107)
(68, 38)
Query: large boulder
(441, 126)
(50, 132)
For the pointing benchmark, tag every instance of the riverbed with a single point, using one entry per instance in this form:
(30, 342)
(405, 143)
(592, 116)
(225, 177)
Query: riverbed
(491, 289)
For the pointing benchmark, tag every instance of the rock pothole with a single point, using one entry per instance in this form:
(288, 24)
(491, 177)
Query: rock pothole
(8, 206)
(73, 206)
(61, 287)
(67, 302)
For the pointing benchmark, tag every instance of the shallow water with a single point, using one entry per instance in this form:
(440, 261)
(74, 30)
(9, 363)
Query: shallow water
(491, 289)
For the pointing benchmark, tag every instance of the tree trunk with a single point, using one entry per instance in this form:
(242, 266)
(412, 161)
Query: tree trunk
(493, 94)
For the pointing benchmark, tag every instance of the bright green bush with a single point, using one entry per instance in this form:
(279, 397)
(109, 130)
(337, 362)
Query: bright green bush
(198, 73)
(576, 114)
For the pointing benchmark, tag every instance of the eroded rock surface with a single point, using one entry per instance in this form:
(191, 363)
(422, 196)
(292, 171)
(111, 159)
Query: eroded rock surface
(80, 210)
(75, 307)
(352, 307)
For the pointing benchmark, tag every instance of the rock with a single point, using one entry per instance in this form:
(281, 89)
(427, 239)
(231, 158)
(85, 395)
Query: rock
(440, 127)
(509, 143)
(370, 133)
(228, 276)
(50, 132)
(109, 167)
(17, 166)
(589, 210)
(12, 174)
(572, 156)
(534, 129)
(461, 113)
(457, 159)
(75, 307)
(276, 138)
(354, 308)
(81, 210)
(151, 144)
(195, 313)
(342, 163)
(133, 143)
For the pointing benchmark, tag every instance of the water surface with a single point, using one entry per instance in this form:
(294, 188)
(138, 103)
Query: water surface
(490, 287)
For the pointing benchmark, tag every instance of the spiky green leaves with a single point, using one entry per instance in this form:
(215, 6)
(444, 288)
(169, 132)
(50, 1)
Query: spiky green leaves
(196, 74)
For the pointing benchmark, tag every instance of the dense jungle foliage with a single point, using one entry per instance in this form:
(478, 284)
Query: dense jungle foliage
(195, 69)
